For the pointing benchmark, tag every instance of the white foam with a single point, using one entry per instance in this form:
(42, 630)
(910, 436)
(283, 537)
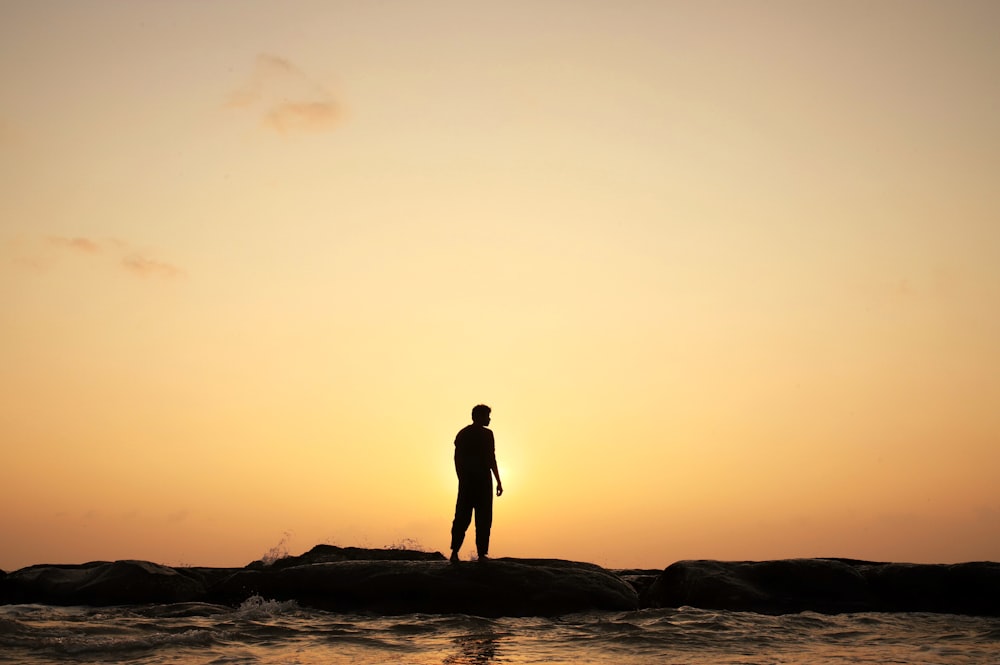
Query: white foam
(257, 606)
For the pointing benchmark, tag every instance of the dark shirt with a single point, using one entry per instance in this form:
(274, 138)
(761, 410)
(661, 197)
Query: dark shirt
(475, 453)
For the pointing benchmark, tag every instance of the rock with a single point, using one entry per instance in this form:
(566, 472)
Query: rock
(639, 579)
(401, 581)
(828, 586)
(962, 588)
(206, 577)
(500, 587)
(330, 553)
(101, 583)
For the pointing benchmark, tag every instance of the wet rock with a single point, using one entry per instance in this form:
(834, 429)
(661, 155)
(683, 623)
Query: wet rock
(639, 579)
(101, 583)
(331, 553)
(500, 587)
(828, 586)
(961, 588)
(208, 578)
(402, 581)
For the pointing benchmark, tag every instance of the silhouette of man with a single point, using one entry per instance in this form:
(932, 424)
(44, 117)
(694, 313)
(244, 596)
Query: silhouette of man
(475, 459)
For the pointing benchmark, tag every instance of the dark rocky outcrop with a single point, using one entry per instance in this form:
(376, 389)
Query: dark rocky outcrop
(639, 579)
(331, 553)
(208, 578)
(345, 579)
(963, 588)
(402, 581)
(829, 586)
(100, 583)
(500, 587)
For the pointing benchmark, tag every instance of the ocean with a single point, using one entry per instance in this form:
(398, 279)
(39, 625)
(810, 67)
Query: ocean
(273, 633)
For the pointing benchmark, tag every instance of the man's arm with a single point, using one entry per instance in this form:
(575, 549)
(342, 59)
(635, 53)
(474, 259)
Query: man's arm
(493, 462)
(496, 472)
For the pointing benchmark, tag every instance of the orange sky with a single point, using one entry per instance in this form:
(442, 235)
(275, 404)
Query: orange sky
(727, 272)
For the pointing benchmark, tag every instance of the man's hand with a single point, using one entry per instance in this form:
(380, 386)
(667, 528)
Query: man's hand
(499, 489)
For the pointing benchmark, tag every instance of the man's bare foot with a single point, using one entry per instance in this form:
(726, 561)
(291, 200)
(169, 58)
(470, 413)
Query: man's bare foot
(483, 558)
(454, 557)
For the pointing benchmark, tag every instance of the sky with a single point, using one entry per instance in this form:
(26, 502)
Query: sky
(728, 274)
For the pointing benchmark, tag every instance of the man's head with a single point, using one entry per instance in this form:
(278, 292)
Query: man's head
(481, 415)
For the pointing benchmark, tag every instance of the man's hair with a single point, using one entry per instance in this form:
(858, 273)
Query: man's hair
(480, 411)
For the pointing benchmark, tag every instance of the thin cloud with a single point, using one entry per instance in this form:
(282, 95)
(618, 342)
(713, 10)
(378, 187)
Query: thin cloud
(85, 245)
(42, 255)
(270, 72)
(144, 267)
(309, 116)
(285, 98)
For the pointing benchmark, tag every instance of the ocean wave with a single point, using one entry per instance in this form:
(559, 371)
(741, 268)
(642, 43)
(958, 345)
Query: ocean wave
(272, 633)
(110, 645)
(182, 610)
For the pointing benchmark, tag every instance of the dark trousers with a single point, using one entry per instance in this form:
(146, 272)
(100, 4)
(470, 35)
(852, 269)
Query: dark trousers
(473, 496)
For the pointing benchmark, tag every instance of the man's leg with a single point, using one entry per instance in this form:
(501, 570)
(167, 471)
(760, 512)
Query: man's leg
(463, 517)
(484, 519)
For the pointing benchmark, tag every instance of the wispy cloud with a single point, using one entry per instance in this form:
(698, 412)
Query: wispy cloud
(134, 261)
(85, 245)
(145, 267)
(285, 99)
(269, 73)
(308, 116)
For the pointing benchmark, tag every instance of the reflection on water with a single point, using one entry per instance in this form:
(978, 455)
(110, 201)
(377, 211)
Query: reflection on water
(478, 648)
(286, 634)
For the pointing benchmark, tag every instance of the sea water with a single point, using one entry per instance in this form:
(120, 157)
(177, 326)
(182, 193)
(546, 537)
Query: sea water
(270, 632)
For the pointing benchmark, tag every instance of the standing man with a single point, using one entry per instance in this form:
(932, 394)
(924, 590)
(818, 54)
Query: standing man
(475, 459)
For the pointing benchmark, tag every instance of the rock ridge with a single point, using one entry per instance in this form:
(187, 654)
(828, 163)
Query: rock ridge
(830, 586)
(391, 581)
(398, 581)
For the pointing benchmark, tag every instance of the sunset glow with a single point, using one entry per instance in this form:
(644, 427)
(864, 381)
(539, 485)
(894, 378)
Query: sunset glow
(728, 274)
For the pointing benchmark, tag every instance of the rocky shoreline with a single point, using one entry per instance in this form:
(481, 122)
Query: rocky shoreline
(397, 581)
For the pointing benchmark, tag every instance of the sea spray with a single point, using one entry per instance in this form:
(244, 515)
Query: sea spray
(257, 607)
(279, 551)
